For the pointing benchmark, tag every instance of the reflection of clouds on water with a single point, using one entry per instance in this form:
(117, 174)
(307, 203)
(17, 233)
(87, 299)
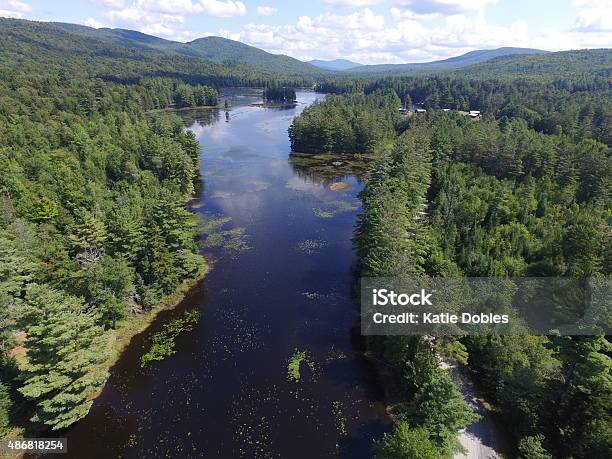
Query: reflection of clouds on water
(298, 184)
(197, 129)
(278, 163)
(266, 127)
(218, 133)
(238, 152)
(222, 194)
(243, 205)
(258, 185)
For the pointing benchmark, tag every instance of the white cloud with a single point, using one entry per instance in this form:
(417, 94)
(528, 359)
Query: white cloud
(218, 8)
(444, 7)
(18, 6)
(266, 11)
(111, 3)
(91, 22)
(164, 17)
(363, 36)
(222, 8)
(593, 16)
(14, 9)
(353, 3)
(401, 14)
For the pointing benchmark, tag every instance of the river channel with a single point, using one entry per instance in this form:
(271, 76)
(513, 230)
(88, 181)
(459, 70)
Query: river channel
(279, 291)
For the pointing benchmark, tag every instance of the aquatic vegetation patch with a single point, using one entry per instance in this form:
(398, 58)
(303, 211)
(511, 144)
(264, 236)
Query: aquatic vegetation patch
(213, 234)
(295, 362)
(322, 213)
(163, 343)
(340, 417)
(310, 246)
(312, 295)
(333, 208)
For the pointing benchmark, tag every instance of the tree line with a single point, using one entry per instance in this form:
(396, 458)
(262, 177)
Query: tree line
(502, 196)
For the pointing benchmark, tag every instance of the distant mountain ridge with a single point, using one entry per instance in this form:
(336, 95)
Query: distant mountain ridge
(218, 49)
(335, 64)
(215, 49)
(125, 55)
(452, 63)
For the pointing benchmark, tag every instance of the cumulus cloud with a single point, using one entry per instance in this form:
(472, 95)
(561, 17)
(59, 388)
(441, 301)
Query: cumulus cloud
(363, 36)
(218, 8)
(266, 11)
(111, 3)
(593, 16)
(92, 22)
(14, 9)
(164, 18)
(353, 3)
(223, 8)
(444, 7)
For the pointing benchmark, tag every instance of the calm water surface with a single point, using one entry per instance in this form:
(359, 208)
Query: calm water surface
(226, 391)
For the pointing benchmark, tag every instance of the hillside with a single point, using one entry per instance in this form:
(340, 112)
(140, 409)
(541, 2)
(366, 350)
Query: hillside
(591, 62)
(215, 49)
(219, 49)
(464, 60)
(335, 65)
(125, 55)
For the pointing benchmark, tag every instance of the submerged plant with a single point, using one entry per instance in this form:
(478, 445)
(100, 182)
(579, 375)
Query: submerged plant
(163, 342)
(332, 208)
(338, 411)
(214, 236)
(310, 246)
(295, 362)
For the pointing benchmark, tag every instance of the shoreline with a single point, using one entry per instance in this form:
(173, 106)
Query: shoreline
(122, 336)
(139, 323)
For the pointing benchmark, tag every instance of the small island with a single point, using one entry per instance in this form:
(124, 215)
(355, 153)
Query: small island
(279, 93)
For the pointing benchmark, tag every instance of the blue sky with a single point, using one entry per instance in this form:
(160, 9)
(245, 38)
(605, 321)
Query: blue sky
(366, 31)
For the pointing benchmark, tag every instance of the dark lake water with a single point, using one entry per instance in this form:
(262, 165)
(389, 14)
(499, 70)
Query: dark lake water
(226, 393)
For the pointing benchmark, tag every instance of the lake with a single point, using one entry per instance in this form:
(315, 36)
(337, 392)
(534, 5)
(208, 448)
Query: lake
(280, 290)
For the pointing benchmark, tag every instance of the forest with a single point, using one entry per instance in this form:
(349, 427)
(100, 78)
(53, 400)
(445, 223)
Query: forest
(523, 192)
(279, 92)
(93, 228)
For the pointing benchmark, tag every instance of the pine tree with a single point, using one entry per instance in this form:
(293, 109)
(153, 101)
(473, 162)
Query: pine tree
(64, 350)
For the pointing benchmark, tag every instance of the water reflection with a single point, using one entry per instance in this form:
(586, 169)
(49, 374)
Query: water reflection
(323, 169)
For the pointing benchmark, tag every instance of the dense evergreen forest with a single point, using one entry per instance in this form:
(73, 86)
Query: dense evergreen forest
(279, 92)
(354, 123)
(93, 226)
(525, 191)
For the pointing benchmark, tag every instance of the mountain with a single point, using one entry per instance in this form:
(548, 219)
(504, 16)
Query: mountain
(219, 49)
(562, 64)
(215, 49)
(464, 60)
(335, 65)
